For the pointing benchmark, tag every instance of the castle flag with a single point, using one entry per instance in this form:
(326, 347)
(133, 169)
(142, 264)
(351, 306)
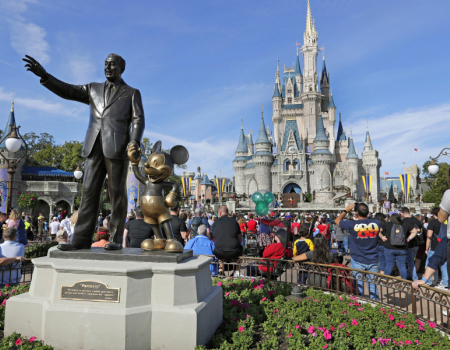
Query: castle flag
(405, 179)
(220, 184)
(367, 181)
(186, 182)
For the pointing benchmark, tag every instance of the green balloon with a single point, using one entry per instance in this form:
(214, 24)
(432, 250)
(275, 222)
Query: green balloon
(257, 197)
(269, 197)
(262, 209)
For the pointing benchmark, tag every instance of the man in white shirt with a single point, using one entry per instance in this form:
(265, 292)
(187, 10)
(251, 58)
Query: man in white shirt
(10, 248)
(66, 225)
(54, 227)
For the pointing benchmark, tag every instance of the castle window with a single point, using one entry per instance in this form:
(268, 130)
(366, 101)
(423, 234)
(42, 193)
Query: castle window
(289, 100)
(287, 164)
(289, 91)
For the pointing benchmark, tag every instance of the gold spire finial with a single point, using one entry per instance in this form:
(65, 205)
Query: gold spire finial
(367, 126)
(351, 133)
(242, 123)
(331, 91)
(308, 21)
(339, 116)
(323, 52)
(12, 103)
(262, 112)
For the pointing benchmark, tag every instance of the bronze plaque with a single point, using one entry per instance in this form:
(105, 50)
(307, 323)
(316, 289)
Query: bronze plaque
(90, 291)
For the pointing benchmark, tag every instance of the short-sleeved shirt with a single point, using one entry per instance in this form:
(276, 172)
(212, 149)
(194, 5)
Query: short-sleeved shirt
(331, 256)
(415, 223)
(303, 246)
(445, 206)
(435, 226)
(363, 239)
(387, 229)
(138, 230)
(178, 226)
(225, 233)
(251, 225)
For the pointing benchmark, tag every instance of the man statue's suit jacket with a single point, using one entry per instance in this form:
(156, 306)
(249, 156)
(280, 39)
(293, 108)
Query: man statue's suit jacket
(113, 120)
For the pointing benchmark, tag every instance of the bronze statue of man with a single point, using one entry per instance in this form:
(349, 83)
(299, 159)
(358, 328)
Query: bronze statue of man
(115, 107)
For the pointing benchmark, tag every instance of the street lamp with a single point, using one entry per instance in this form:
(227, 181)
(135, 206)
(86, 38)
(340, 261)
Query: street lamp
(433, 168)
(13, 143)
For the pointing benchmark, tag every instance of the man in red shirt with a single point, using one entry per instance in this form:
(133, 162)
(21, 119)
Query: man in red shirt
(251, 224)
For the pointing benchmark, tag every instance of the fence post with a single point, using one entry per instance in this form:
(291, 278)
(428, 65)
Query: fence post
(413, 300)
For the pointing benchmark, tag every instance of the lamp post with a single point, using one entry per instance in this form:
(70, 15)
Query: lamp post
(433, 168)
(13, 143)
(135, 203)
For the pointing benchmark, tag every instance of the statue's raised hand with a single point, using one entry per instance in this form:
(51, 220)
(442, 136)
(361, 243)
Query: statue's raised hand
(35, 67)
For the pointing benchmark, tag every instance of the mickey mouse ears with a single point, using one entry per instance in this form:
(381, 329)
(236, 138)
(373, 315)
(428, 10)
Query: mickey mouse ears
(179, 154)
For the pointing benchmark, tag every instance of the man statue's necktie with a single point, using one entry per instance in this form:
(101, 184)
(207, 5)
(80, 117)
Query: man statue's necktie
(108, 93)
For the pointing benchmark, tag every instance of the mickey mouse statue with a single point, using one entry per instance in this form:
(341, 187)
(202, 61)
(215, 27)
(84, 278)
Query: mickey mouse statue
(155, 207)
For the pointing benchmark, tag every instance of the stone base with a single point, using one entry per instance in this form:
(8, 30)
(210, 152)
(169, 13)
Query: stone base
(161, 306)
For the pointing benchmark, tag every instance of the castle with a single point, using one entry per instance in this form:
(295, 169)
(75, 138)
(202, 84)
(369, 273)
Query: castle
(303, 156)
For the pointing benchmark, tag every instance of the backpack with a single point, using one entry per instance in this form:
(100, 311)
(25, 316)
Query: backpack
(196, 222)
(419, 239)
(442, 232)
(397, 235)
(346, 285)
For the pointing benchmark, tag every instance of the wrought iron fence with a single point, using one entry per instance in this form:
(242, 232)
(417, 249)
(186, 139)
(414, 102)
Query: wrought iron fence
(427, 303)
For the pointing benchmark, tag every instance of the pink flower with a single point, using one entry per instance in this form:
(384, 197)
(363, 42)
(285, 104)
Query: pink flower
(311, 329)
(432, 324)
(219, 283)
(354, 322)
(227, 294)
(342, 325)
(361, 309)
(3, 302)
(260, 281)
(234, 302)
(392, 318)
(409, 342)
(374, 341)
(327, 334)
(314, 334)
(252, 280)
(248, 316)
(276, 310)
(263, 299)
(325, 346)
(18, 342)
(298, 327)
(344, 312)
(340, 298)
(6, 285)
(419, 322)
(350, 304)
(421, 328)
(332, 328)
(271, 292)
(289, 335)
(315, 299)
(235, 319)
(32, 339)
(241, 329)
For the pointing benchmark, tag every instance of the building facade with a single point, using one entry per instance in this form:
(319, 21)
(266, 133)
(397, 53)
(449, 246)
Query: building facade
(306, 157)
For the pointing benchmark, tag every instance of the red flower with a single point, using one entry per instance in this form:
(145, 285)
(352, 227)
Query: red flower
(32, 339)
(219, 283)
(241, 329)
(18, 342)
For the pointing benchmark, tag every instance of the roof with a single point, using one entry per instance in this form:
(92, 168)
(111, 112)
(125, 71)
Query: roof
(234, 160)
(321, 151)
(262, 135)
(249, 139)
(331, 103)
(206, 180)
(299, 105)
(276, 91)
(309, 161)
(296, 92)
(7, 129)
(263, 153)
(249, 165)
(340, 134)
(320, 135)
(291, 125)
(275, 162)
(368, 139)
(45, 171)
(351, 150)
(325, 76)
(298, 69)
(242, 147)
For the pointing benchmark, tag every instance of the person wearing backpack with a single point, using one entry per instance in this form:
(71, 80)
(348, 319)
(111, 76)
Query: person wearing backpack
(396, 235)
(435, 233)
(413, 246)
(196, 222)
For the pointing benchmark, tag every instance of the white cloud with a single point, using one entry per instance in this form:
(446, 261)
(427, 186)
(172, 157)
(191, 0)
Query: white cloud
(28, 38)
(43, 105)
(395, 135)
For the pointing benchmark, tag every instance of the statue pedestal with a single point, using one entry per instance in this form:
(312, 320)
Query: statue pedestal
(101, 303)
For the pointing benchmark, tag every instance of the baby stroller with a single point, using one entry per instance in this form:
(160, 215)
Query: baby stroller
(251, 244)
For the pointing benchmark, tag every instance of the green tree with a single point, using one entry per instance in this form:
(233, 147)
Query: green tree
(438, 183)
(37, 143)
(70, 154)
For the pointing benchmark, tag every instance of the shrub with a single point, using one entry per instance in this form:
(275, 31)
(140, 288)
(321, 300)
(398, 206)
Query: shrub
(257, 316)
(6, 293)
(16, 341)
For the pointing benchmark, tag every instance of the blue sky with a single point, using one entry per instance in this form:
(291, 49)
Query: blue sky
(202, 65)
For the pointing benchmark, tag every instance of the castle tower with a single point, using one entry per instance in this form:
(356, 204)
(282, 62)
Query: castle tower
(298, 77)
(353, 162)
(250, 145)
(341, 143)
(240, 161)
(325, 85)
(277, 102)
(263, 158)
(372, 164)
(322, 158)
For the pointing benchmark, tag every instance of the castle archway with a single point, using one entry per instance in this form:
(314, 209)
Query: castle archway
(291, 195)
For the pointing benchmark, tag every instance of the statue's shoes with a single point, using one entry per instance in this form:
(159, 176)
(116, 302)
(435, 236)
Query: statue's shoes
(113, 246)
(69, 246)
(173, 246)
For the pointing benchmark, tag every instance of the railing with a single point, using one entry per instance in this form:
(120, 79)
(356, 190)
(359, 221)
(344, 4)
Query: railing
(427, 303)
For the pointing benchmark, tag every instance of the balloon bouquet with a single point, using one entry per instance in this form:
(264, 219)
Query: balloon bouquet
(262, 202)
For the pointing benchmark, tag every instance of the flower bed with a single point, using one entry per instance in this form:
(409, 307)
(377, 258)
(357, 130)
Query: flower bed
(257, 316)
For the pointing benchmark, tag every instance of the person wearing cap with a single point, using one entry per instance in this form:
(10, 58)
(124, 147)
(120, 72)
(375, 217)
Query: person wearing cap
(277, 250)
(102, 237)
(61, 235)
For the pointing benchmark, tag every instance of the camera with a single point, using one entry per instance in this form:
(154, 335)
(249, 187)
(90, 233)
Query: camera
(355, 208)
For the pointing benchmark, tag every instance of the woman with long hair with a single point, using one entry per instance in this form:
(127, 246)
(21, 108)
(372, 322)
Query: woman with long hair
(73, 221)
(15, 220)
(396, 253)
(381, 258)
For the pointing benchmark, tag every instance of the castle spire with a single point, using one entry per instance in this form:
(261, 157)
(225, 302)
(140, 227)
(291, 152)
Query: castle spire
(309, 28)
(351, 148)
(12, 103)
(262, 135)
(341, 133)
(242, 147)
(368, 142)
